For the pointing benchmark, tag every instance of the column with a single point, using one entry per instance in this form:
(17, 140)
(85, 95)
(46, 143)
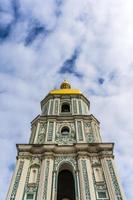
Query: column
(81, 189)
(54, 190)
(114, 189)
(36, 134)
(42, 178)
(13, 180)
(86, 180)
(50, 178)
(77, 184)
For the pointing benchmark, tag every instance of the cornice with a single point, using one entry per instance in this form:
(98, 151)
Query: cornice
(60, 117)
(100, 149)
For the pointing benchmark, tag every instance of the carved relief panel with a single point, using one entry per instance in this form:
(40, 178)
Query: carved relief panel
(42, 133)
(99, 180)
(32, 178)
(89, 135)
(65, 133)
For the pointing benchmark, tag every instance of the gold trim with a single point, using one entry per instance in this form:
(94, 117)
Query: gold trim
(65, 91)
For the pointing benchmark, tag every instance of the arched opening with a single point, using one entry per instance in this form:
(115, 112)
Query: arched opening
(66, 187)
(65, 130)
(65, 107)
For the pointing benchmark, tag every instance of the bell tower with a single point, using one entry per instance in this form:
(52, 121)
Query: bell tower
(65, 158)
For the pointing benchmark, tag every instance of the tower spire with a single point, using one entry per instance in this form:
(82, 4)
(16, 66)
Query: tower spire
(65, 157)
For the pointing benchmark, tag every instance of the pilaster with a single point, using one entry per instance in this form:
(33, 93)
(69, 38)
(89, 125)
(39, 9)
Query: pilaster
(20, 191)
(13, 179)
(37, 132)
(42, 178)
(111, 178)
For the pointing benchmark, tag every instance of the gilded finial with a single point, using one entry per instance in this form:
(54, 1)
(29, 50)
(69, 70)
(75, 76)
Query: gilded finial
(65, 85)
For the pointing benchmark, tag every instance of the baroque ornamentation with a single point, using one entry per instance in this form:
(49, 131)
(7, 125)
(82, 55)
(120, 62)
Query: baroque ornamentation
(50, 131)
(86, 181)
(99, 186)
(95, 162)
(35, 161)
(65, 139)
(88, 132)
(46, 180)
(80, 133)
(80, 106)
(17, 179)
(56, 108)
(33, 188)
(51, 107)
(42, 133)
(65, 159)
(114, 180)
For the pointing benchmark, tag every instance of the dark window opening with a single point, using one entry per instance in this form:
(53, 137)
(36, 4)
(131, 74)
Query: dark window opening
(102, 194)
(65, 130)
(29, 196)
(66, 189)
(65, 107)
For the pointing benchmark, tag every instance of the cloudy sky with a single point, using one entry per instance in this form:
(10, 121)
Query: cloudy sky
(88, 42)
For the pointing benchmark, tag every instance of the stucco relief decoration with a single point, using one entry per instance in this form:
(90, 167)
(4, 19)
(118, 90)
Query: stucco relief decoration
(65, 159)
(86, 181)
(35, 161)
(46, 180)
(65, 139)
(17, 179)
(42, 133)
(95, 162)
(88, 132)
(114, 180)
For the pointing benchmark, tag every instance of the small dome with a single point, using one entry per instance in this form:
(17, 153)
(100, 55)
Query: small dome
(65, 85)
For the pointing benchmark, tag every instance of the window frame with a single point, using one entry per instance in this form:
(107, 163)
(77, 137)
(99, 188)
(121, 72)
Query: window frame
(67, 103)
(64, 128)
(102, 198)
(29, 193)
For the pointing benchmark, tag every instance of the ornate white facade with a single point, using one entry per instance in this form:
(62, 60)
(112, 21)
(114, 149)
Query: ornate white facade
(65, 158)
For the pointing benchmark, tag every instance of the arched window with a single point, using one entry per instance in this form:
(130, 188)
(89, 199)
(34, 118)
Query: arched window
(65, 130)
(65, 107)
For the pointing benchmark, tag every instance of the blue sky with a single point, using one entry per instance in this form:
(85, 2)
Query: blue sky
(90, 43)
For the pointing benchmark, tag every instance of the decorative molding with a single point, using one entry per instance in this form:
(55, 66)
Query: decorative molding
(17, 179)
(114, 180)
(50, 131)
(80, 107)
(42, 133)
(95, 162)
(100, 186)
(88, 132)
(32, 187)
(80, 133)
(65, 139)
(51, 106)
(65, 159)
(86, 181)
(46, 180)
(56, 107)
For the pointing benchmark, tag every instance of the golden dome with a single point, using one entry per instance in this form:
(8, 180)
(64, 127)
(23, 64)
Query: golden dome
(65, 85)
